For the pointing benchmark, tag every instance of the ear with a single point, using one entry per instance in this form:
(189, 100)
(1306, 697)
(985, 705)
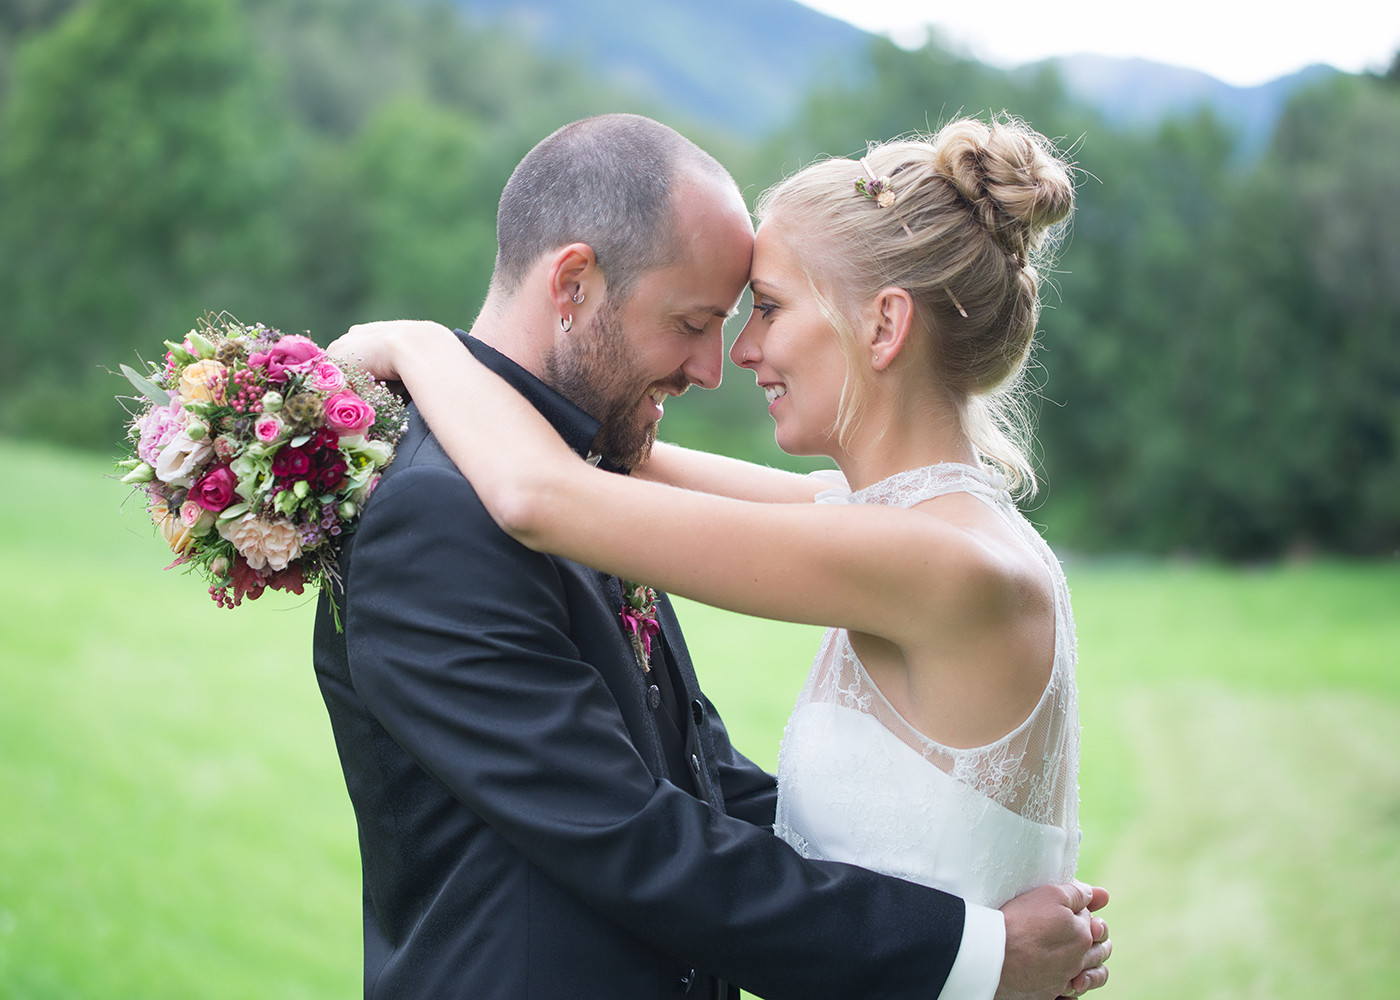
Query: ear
(891, 317)
(575, 283)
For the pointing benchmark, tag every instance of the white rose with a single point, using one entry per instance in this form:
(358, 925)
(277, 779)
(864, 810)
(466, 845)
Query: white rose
(181, 459)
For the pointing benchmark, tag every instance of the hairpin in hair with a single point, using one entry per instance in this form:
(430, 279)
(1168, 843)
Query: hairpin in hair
(877, 189)
(961, 311)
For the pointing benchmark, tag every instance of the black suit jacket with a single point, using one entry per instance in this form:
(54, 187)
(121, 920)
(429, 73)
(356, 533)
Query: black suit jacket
(530, 825)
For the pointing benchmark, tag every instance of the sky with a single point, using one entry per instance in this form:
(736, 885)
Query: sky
(1243, 42)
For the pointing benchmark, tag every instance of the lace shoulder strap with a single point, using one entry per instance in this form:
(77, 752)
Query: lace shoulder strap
(914, 486)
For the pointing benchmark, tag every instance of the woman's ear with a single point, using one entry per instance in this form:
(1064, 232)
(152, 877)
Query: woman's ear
(892, 315)
(575, 283)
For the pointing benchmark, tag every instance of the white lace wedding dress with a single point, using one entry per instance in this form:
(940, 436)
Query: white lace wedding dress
(857, 783)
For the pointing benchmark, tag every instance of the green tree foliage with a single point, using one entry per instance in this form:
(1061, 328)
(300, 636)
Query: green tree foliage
(1225, 355)
(305, 163)
(135, 157)
(1325, 213)
(431, 236)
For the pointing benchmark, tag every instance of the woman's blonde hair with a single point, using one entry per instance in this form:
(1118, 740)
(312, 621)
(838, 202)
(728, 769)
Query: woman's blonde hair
(976, 210)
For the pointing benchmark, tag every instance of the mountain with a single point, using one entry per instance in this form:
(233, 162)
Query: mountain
(1136, 92)
(745, 65)
(740, 64)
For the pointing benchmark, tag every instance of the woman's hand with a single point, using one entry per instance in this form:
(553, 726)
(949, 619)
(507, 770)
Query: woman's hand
(376, 346)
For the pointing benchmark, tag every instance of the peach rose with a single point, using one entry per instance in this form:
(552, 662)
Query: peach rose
(176, 534)
(264, 544)
(203, 381)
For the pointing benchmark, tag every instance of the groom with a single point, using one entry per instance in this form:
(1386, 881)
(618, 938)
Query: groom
(539, 817)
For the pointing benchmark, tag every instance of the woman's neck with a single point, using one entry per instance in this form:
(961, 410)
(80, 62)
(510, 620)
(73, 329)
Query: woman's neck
(891, 439)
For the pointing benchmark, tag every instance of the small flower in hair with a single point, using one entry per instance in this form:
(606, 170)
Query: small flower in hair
(877, 189)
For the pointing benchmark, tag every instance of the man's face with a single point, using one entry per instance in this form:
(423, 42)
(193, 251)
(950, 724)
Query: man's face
(668, 334)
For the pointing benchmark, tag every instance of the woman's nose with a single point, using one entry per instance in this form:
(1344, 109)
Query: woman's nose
(745, 350)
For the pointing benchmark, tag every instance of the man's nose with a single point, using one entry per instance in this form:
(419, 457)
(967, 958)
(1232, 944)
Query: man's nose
(705, 367)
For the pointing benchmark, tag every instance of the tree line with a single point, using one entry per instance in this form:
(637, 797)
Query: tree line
(1218, 370)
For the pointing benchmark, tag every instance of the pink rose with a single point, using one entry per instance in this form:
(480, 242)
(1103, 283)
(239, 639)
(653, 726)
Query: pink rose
(347, 413)
(216, 490)
(158, 426)
(326, 377)
(196, 518)
(290, 354)
(268, 428)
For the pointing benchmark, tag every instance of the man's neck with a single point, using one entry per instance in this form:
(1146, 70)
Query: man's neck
(505, 326)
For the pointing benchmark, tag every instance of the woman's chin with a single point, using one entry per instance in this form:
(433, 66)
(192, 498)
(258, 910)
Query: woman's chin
(796, 447)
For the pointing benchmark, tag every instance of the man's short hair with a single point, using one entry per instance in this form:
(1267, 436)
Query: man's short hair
(606, 181)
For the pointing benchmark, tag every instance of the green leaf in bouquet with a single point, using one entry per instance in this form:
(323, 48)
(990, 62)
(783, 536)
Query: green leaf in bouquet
(299, 440)
(146, 387)
(237, 510)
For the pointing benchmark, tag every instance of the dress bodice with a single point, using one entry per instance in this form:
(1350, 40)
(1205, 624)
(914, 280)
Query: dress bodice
(858, 783)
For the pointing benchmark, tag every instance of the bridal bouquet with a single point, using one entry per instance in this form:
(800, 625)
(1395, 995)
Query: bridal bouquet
(255, 451)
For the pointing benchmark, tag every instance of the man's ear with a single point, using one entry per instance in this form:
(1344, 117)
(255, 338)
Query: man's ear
(890, 318)
(576, 284)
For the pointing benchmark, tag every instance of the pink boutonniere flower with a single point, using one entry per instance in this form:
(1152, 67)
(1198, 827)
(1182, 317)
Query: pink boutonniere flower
(639, 620)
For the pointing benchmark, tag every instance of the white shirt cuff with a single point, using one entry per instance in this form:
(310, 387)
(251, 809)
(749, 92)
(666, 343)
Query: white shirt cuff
(977, 970)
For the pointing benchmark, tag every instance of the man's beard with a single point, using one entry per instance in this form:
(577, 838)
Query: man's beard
(597, 372)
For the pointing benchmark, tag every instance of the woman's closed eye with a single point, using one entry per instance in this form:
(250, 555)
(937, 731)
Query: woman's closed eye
(765, 308)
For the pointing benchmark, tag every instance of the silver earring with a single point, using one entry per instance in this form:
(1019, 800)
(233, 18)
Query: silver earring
(578, 299)
(566, 323)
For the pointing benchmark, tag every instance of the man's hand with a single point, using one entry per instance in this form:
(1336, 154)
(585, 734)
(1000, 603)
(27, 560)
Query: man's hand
(1054, 947)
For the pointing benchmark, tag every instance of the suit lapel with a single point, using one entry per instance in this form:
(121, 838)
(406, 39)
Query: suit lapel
(697, 734)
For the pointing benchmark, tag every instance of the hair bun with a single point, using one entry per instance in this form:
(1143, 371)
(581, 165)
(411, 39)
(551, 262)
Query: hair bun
(1011, 175)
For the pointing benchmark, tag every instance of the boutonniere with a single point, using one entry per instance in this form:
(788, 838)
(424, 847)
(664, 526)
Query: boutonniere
(639, 620)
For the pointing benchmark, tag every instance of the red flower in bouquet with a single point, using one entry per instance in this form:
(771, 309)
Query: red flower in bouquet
(216, 490)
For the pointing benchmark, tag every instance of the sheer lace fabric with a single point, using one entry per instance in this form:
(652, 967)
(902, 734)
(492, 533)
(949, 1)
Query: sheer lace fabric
(857, 783)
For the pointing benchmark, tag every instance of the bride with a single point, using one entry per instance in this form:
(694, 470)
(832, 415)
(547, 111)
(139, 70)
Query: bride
(895, 299)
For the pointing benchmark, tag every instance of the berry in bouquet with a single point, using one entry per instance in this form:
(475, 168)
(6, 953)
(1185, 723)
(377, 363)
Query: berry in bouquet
(256, 452)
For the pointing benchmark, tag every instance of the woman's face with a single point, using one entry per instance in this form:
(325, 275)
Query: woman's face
(791, 348)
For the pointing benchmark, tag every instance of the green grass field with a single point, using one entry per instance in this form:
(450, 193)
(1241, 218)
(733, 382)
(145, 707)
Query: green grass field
(175, 825)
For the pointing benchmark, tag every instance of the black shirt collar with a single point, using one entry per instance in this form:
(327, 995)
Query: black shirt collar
(577, 428)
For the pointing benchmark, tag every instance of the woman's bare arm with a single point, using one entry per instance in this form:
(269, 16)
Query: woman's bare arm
(885, 571)
(731, 477)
